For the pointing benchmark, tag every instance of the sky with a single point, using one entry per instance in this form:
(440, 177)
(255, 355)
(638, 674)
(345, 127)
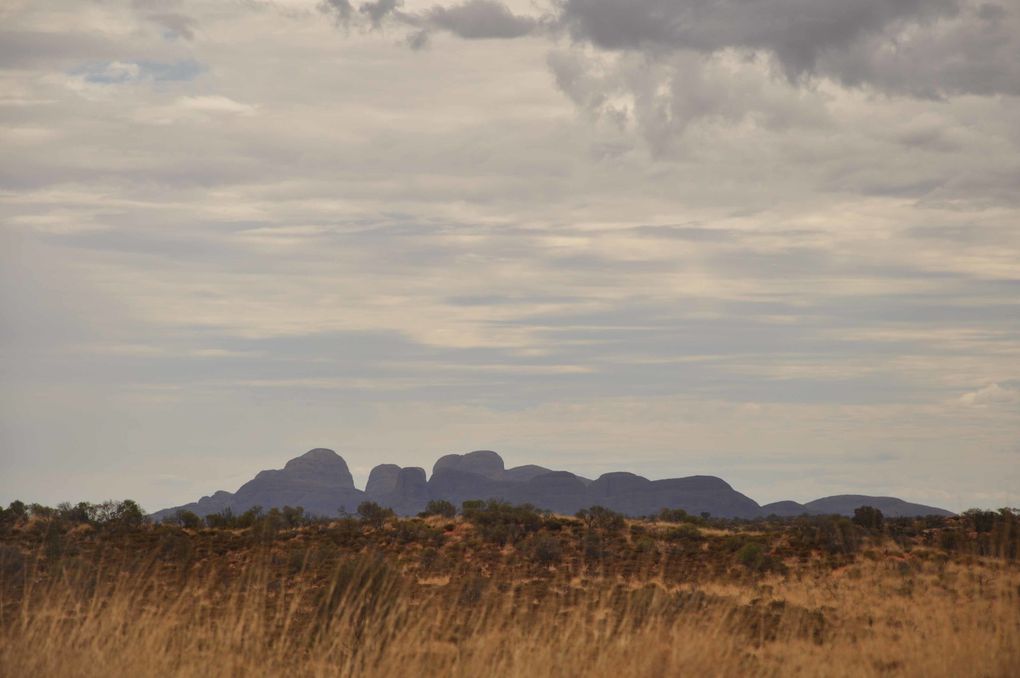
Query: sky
(774, 241)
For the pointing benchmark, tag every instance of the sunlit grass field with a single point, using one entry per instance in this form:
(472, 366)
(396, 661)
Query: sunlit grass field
(434, 596)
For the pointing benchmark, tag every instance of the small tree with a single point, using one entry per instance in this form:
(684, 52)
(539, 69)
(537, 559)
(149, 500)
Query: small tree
(868, 517)
(979, 521)
(601, 518)
(129, 514)
(222, 520)
(294, 516)
(545, 549)
(82, 512)
(500, 522)
(16, 512)
(188, 519)
(373, 514)
(439, 507)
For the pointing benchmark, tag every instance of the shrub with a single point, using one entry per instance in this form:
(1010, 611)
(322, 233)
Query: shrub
(12, 563)
(592, 544)
(15, 513)
(601, 518)
(415, 531)
(82, 512)
(683, 533)
(223, 519)
(373, 514)
(678, 515)
(439, 507)
(645, 545)
(128, 514)
(755, 557)
(40, 511)
(868, 517)
(188, 519)
(294, 516)
(751, 555)
(980, 521)
(546, 549)
(499, 522)
(832, 534)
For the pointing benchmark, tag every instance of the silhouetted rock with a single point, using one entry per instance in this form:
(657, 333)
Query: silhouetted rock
(618, 484)
(320, 481)
(891, 507)
(558, 491)
(482, 462)
(635, 495)
(382, 480)
(402, 489)
(784, 509)
(458, 486)
(523, 473)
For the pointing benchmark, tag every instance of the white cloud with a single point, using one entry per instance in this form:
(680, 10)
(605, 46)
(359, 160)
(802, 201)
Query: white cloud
(215, 104)
(992, 395)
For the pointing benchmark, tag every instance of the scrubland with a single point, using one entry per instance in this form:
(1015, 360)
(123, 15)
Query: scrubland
(504, 591)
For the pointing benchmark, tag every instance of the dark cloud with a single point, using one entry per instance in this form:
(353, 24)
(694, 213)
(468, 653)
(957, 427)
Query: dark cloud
(378, 11)
(927, 48)
(798, 32)
(922, 48)
(974, 51)
(341, 10)
(479, 20)
(472, 20)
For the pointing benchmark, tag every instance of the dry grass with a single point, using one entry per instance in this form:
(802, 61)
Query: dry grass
(244, 615)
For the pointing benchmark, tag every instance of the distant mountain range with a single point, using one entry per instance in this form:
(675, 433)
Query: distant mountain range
(320, 481)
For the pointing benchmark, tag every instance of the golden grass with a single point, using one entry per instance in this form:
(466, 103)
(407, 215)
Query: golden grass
(367, 618)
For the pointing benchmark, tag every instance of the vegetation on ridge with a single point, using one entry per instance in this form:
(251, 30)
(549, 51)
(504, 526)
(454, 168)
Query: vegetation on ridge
(506, 590)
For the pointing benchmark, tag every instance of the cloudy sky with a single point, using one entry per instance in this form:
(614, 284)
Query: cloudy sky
(775, 241)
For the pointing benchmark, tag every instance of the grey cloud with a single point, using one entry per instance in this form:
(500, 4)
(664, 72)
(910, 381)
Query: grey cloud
(177, 25)
(927, 48)
(377, 11)
(796, 31)
(923, 48)
(471, 20)
(663, 97)
(480, 19)
(418, 39)
(340, 9)
(21, 48)
(974, 51)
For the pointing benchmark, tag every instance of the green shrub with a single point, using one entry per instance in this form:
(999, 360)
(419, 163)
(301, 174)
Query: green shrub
(439, 507)
(834, 535)
(15, 513)
(868, 517)
(546, 549)
(601, 518)
(754, 556)
(685, 532)
(502, 523)
(373, 514)
(188, 519)
(678, 515)
(415, 531)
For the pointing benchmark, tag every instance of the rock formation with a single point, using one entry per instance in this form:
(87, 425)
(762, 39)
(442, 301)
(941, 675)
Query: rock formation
(320, 481)
(891, 507)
